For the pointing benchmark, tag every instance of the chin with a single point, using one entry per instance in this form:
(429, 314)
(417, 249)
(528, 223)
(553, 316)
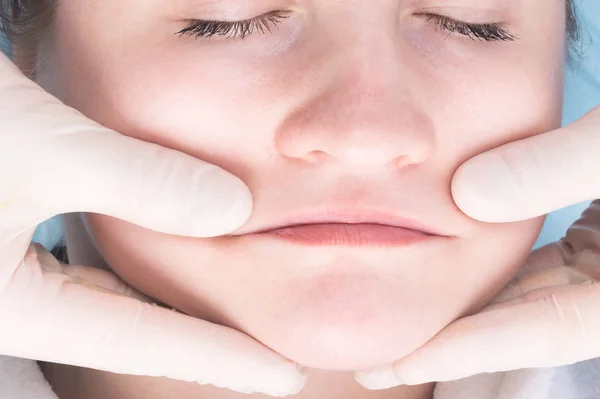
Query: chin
(346, 348)
(359, 355)
(352, 327)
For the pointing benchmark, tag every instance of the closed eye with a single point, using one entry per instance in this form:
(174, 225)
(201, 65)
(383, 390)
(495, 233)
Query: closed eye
(490, 32)
(234, 29)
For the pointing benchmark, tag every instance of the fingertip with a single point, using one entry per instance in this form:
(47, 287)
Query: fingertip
(292, 380)
(221, 203)
(474, 189)
(487, 188)
(158, 188)
(232, 207)
(379, 378)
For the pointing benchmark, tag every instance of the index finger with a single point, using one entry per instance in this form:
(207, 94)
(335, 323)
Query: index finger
(533, 176)
(44, 143)
(555, 327)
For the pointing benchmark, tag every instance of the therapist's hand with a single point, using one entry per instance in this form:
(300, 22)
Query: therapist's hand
(534, 176)
(53, 160)
(549, 315)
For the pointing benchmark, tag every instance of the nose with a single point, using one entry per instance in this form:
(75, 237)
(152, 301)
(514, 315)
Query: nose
(368, 114)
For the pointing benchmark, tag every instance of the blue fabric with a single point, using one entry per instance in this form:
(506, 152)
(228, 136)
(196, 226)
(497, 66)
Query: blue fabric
(50, 233)
(582, 93)
(4, 47)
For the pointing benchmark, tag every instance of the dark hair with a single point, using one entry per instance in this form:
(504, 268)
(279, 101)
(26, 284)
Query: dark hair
(25, 22)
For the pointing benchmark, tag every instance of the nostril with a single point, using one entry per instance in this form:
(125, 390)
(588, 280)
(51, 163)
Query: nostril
(404, 160)
(317, 157)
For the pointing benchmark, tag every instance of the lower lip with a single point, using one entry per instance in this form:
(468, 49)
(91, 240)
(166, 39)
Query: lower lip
(349, 235)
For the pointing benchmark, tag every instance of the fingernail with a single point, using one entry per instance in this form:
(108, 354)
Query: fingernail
(381, 378)
(485, 188)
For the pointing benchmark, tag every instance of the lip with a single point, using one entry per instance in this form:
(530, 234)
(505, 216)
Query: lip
(349, 235)
(351, 228)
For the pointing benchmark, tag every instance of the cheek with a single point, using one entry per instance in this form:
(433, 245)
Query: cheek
(164, 91)
(170, 269)
(221, 116)
(497, 251)
(483, 95)
(503, 108)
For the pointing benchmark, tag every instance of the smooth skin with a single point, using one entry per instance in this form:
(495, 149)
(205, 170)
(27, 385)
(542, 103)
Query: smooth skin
(89, 317)
(549, 315)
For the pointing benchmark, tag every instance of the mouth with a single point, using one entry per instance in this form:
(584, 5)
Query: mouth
(348, 235)
(350, 230)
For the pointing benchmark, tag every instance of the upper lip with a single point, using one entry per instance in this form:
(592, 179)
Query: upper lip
(347, 216)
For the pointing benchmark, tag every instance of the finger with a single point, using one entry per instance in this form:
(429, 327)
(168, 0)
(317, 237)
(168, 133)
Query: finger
(536, 294)
(90, 276)
(142, 183)
(534, 176)
(584, 234)
(558, 329)
(545, 279)
(46, 315)
(107, 172)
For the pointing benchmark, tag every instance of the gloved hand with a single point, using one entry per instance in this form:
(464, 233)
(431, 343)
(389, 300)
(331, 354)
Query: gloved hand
(534, 176)
(88, 317)
(549, 314)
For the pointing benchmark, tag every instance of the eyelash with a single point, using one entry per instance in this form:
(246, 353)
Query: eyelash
(206, 29)
(493, 32)
(201, 29)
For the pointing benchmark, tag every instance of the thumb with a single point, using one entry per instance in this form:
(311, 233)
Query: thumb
(533, 176)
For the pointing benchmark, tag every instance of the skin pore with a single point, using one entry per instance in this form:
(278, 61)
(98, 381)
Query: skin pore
(349, 105)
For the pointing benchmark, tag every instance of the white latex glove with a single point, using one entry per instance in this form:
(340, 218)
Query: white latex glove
(534, 176)
(549, 314)
(88, 317)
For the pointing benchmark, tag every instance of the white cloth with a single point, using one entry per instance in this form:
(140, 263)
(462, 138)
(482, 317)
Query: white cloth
(22, 379)
(577, 381)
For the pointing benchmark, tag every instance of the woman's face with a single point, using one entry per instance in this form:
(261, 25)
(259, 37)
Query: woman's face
(355, 111)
